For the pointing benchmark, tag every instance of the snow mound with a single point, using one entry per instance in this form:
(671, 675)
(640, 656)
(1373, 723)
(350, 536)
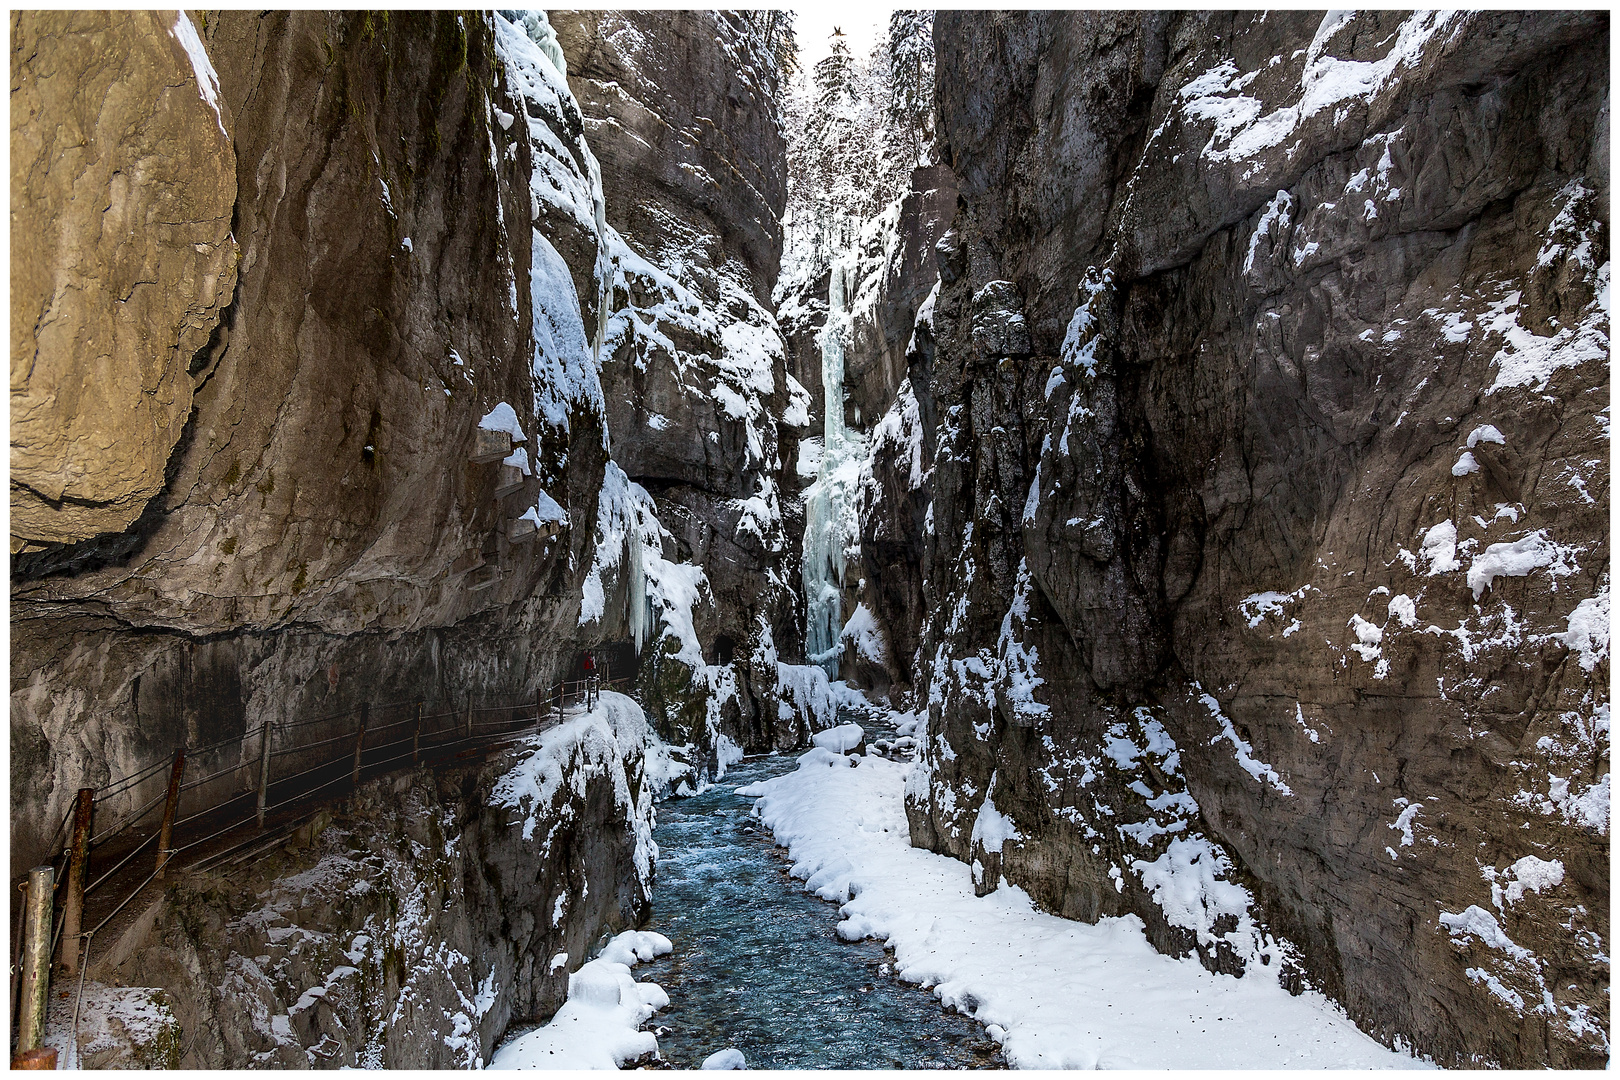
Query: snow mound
(503, 418)
(599, 1026)
(1516, 559)
(1588, 633)
(863, 632)
(839, 740)
(725, 1059)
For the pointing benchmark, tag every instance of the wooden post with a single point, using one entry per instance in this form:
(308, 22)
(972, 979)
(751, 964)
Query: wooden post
(79, 861)
(360, 739)
(264, 770)
(36, 977)
(416, 736)
(20, 908)
(42, 1058)
(170, 805)
(539, 705)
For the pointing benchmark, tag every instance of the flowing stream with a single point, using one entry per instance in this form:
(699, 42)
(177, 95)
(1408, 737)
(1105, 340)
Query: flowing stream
(757, 966)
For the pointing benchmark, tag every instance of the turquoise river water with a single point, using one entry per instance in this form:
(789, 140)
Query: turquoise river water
(757, 965)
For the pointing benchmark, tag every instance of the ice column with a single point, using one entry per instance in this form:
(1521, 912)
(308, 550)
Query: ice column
(830, 533)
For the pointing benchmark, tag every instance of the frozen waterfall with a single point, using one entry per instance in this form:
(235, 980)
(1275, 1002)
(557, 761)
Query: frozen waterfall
(831, 534)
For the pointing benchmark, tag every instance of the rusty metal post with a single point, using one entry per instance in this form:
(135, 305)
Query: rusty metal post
(416, 736)
(43, 1058)
(36, 977)
(264, 770)
(170, 805)
(360, 739)
(79, 861)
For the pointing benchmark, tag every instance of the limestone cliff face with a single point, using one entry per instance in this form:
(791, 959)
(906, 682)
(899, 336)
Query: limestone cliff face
(322, 535)
(682, 109)
(122, 186)
(890, 388)
(1266, 567)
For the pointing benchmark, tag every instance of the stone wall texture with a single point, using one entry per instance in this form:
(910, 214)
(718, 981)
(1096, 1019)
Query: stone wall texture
(1267, 390)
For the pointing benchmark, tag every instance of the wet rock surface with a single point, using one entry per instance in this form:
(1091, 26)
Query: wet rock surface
(1269, 380)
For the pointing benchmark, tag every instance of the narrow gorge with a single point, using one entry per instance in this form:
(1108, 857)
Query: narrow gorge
(1145, 473)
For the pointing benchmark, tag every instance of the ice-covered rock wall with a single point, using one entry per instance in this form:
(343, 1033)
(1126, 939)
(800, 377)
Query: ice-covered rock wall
(876, 476)
(1266, 562)
(829, 504)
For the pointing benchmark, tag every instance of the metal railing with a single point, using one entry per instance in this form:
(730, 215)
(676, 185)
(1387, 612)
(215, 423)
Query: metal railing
(246, 779)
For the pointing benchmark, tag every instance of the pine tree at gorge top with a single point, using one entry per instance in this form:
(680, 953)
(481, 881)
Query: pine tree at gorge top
(911, 81)
(855, 130)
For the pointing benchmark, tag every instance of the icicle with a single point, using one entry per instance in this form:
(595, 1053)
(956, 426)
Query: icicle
(638, 589)
(538, 27)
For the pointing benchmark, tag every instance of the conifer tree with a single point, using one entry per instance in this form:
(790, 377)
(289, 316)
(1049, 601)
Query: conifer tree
(911, 81)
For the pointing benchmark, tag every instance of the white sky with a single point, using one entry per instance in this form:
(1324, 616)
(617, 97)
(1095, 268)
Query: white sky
(863, 26)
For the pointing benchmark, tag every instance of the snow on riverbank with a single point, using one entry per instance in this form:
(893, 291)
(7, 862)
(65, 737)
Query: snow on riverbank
(1055, 993)
(599, 1026)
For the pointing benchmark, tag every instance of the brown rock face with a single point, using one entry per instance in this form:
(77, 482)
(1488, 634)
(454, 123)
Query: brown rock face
(1267, 385)
(321, 510)
(122, 186)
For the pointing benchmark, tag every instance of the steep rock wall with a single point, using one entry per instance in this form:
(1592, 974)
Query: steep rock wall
(898, 272)
(894, 270)
(122, 187)
(321, 532)
(889, 390)
(683, 109)
(1266, 567)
